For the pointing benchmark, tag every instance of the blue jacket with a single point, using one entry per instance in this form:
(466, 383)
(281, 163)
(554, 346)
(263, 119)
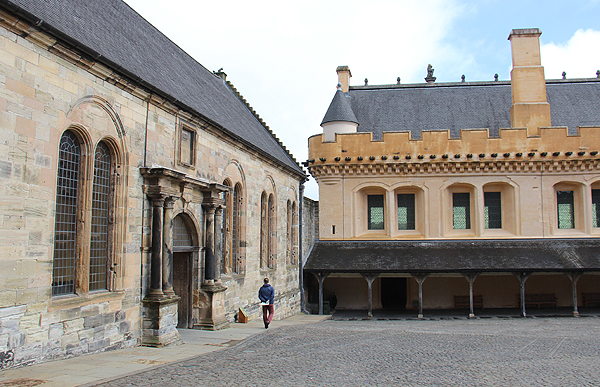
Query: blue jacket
(266, 293)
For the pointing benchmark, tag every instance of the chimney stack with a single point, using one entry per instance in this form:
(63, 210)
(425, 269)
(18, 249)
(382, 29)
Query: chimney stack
(530, 108)
(344, 76)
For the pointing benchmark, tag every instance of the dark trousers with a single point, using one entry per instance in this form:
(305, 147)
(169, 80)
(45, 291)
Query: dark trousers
(268, 311)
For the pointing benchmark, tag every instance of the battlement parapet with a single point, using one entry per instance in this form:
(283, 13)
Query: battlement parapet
(472, 144)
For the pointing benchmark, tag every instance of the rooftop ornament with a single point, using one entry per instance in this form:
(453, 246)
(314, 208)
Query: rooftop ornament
(430, 78)
(597, 73)
(398, 81)
(496, 77)
(462, 78)
(366, 82)
(564, 74)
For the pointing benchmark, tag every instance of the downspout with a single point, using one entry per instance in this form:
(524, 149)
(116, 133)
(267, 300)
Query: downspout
(300, 255)
(542, 200)
(143, 205)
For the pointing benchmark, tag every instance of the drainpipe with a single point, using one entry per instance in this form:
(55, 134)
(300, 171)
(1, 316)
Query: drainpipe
(300, 255)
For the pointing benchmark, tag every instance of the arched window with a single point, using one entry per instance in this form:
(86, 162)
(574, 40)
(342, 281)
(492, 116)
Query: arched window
(101, 197)
(264, 231)
(65, 220)
(295, 241)
(272, 245)
(235, 230)
(182, 238)
(288, 248)
(76, 269)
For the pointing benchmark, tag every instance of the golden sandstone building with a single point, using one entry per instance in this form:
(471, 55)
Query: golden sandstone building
(140, 193)
(470, 194)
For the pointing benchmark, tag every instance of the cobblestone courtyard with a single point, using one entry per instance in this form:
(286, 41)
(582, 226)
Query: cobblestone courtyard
(482, 352)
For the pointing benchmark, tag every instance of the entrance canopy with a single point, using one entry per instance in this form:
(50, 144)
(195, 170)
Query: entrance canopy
(441, 256)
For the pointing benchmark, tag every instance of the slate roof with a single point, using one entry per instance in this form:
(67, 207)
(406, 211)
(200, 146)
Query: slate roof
(468, 105)
(114, 34)
(339, 109)
(455, 256)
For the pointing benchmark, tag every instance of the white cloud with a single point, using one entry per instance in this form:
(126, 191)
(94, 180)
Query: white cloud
(579, 57)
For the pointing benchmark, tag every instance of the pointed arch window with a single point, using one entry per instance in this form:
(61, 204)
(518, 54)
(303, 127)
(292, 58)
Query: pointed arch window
(264, 231)
(76, 269)
(65, 218)
(101, 198)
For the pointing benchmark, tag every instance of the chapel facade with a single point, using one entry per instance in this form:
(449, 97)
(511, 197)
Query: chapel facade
(460, 195)
(141, 194)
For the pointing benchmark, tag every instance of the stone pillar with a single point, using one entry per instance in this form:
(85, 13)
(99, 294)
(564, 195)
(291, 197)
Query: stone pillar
(522, 276)
(155, 291)
(167, 252)
(471, 277)
(218, 254)
(209, 257)
(370, 277)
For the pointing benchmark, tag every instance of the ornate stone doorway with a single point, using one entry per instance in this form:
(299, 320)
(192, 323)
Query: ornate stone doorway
(183, 258)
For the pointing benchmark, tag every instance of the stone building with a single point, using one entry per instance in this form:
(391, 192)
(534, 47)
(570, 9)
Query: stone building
(469, 194)
(140, 192)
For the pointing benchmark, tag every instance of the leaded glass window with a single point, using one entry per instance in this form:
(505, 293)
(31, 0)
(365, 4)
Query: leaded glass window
(406, 211)
(65, 221)
(187, 146)
(181, 233)
(100, 213)
(376, 215)
(235, 227)
(461, 210)
(565, 201)
(596, 207)
(492, 209)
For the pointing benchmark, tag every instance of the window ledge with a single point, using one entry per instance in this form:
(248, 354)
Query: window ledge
(76, 300)
(497, 232)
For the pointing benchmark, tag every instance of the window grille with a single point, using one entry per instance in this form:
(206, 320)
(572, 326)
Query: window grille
(376, 215)
(100, 213)
(263, 231)
(596, 207)
(565, 202)
(406, 211)
(461, 210)
(235, 228)
(65, 221)
(492, 209)
(181, 234)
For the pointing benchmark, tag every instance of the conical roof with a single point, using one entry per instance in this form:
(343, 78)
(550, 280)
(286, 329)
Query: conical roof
(340, 109)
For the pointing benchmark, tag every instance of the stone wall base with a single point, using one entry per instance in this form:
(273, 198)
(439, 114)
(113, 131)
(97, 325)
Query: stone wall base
(212, 314)
(159, 322)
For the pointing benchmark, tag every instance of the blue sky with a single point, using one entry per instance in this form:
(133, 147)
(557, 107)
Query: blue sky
(282, 56)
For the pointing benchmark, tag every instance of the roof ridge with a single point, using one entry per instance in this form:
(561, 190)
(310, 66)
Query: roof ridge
(260, 120)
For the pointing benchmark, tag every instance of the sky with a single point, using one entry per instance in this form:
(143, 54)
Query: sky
(282, 55)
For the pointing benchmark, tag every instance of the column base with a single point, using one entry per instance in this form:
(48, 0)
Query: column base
(159, 322)
(420, 316)
(212, 315)
(471, 315)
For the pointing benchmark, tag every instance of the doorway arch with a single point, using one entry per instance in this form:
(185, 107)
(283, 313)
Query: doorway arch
(185, 249)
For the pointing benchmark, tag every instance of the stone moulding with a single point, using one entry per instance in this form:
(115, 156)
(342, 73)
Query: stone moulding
(394, 168)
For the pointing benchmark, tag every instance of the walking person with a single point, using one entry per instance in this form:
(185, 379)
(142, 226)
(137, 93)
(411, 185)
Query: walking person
(266, 294)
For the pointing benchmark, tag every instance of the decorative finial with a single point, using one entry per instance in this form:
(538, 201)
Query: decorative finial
(339, 86)
(597, 73)
(564, 74)
(430, 78)
(398, 80)
(496, 77)
(221, 74)
(462, 78)
(366, 82)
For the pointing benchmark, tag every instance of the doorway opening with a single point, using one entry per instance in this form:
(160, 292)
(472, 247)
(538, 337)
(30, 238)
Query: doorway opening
(184, 248)
(393, 293)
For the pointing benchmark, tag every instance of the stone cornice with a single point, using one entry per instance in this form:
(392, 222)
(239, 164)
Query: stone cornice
(445, 167)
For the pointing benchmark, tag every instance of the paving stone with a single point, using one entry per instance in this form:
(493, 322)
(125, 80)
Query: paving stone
(499, 352)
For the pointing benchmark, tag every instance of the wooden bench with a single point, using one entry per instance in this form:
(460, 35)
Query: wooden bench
(540, 299)
(463, 302)
(591, 298)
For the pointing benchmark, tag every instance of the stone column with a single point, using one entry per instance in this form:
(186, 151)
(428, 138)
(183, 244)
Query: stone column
(522, 276)
(218, 254)
(156, 259)
(370, 277)
(209, 257)
(167, 252)
(420, 278)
